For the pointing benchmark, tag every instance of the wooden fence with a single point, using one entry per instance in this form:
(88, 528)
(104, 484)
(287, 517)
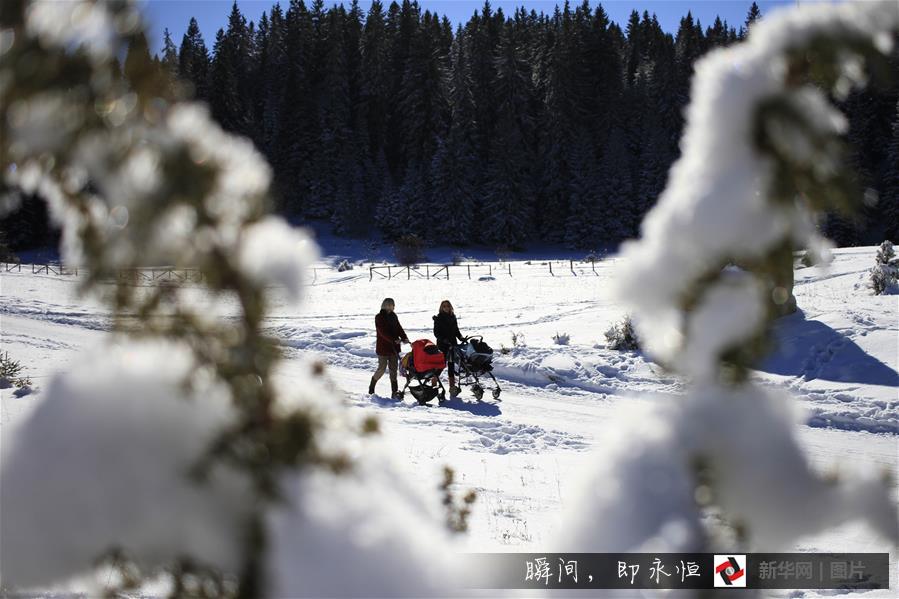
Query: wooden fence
(154, 275)
(39, 269)
(133, 275)
(442, 271)
(388, 271)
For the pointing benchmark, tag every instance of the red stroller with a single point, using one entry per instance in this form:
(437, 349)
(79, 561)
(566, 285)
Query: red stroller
(423, 365)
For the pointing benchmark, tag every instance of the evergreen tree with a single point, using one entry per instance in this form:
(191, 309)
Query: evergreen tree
(193, 60)
(509, 193)
(422, 96)
(583, 228)
(230, 82)
(454, 168)
(297, 133)
(140, 69)
(556, 87)
(138, 62)
(615, 190)
(559, 126)
(752, 16)
(269, 114)
(169, 53)
(374, 86)
(889, 197)
(482, 32)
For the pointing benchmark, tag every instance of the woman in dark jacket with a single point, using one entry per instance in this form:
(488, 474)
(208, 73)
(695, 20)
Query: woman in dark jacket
(446, 331)
(390, 335)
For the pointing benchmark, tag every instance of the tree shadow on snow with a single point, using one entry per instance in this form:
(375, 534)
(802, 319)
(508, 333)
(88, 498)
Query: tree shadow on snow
(812, 350)
(478, 408)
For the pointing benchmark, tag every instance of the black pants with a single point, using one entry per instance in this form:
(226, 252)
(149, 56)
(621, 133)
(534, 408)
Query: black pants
(448, 349)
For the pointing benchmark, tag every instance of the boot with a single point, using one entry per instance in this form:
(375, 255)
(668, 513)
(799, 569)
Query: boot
(394, 389)
(371, 386)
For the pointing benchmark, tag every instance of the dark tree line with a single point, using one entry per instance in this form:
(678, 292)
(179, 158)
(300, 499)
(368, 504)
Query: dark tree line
(505, 129)
(509, 128)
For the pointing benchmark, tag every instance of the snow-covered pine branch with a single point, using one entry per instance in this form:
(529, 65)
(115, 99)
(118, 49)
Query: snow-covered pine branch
(172, 446)
(713, 268)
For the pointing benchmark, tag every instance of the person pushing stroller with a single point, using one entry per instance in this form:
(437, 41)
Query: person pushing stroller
(390, 335)
(446, 331)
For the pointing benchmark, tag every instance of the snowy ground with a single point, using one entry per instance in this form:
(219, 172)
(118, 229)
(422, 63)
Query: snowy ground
(523, 455)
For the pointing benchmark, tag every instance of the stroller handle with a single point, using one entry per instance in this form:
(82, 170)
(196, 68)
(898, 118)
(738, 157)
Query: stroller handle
(470, 337)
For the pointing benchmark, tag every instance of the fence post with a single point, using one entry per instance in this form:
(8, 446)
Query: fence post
(408, 273)
(510, 269)
(389, 273)
(551, 268)
(572, 267)
(490, 266)
(370, 272)
(469, 271)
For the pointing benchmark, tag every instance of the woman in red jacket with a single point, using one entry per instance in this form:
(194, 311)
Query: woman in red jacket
(390, 335)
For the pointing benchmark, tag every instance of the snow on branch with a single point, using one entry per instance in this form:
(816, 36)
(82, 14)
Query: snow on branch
(171, 446)
(761, 153)
(761, 150)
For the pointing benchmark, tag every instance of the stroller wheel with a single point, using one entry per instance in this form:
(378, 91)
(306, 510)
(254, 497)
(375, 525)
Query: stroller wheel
(496, 393)
(477, 391)
(441, 398)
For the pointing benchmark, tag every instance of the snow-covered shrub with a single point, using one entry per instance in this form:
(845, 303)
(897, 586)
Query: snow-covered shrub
(172, 446)
(885, 274)
(804, 260)
(592, 257)
(458, 258)
(886, 254)
(518, 339)
(561, 338)
(409, 250)
(762, 149)
(11, 373)
(344, 266)
(621, 336)
(883, 279)
(517, 342)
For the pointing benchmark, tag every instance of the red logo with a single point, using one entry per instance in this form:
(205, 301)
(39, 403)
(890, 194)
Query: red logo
(730, 571)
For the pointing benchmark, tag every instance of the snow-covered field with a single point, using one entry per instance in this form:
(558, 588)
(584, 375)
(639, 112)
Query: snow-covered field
(839, 356)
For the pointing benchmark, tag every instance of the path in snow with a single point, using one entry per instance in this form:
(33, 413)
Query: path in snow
(524, 454)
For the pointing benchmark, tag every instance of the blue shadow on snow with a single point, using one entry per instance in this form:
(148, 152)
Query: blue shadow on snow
(478, 408)
(813, 350)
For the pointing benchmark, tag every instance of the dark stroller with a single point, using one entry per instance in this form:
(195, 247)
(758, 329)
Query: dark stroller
(474, 359)
(423, 365)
